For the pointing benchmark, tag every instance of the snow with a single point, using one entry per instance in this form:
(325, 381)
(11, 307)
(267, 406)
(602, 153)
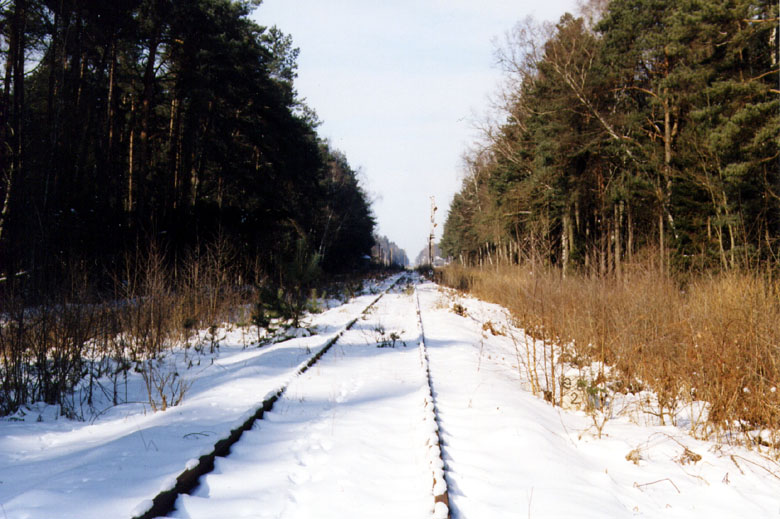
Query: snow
(350, 428)
(360, 434)
(113, 465)
(510, 453)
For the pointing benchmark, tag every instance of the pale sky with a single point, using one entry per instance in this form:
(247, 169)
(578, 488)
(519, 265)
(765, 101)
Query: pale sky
(399, 86)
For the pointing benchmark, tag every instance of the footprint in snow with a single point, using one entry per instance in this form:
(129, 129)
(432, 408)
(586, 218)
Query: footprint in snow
(299, 476)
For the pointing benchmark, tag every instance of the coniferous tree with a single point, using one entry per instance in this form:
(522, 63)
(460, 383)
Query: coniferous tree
(166, 121)
(656, 126)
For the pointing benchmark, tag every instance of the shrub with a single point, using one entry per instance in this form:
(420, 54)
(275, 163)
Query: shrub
(711, 338)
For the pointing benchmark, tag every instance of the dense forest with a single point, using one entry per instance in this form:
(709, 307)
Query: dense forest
(159, 176)
(167, 122)
(643, 125)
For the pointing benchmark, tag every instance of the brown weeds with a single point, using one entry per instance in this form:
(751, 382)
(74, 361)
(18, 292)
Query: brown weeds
(713, 338)
(71, 337)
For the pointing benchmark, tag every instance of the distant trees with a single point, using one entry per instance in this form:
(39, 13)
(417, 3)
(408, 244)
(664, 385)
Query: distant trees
(386, 252)
(345, 217)
(657, 126)
(423, 258)
(172, 121)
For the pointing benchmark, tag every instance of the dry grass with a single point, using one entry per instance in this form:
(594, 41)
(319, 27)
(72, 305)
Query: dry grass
(71, 335)
(73, 342)
(713, 338)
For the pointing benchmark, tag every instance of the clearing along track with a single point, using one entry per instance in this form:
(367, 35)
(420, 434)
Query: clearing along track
(350, 437)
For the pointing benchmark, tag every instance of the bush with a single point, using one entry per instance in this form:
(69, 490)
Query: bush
(72, 334)
(711, 338)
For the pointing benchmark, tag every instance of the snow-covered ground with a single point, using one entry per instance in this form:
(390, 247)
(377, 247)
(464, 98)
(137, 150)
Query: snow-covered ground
(114, 464)
(351, 437)
(511, 454)
(345, 440)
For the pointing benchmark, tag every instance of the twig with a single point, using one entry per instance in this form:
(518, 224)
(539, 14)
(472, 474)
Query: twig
(560, 417)
(697, 476)
(97, 415)
(754, 463)
(678, 442)
(639, 486)
(147, 445)
(202, 433)
(737, 464)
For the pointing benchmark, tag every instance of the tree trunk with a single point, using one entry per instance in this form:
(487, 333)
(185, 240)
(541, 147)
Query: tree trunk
(20, 18)
(565, 244)
(173, 151)
(55, 67)
(662, 252)
(618, 245)
(14, 67)
(610, 228)
(670, 131)
(588, 247)
(733, 245)
(130, 202)
(6, 152)
(110, 102)
(721, 249)
(603, 251)
(146, 111)
(630, 225)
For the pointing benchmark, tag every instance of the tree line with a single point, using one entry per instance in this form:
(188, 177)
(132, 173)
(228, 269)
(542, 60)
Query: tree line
(386, 252)
(641, 125)
(173, 122)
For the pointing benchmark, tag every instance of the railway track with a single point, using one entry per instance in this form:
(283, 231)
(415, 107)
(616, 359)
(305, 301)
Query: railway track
(434, 443)
(163, 504)
(358, 420)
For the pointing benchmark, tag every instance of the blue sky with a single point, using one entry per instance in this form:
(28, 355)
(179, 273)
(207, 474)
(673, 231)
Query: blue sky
(400, 86)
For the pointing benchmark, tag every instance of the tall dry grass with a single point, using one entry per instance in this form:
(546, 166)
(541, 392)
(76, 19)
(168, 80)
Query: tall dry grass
(73, 335)
(712, 338)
